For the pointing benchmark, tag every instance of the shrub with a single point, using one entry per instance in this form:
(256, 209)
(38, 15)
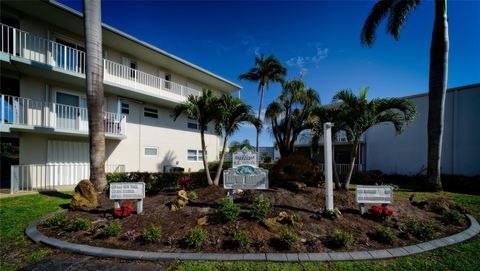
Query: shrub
(241, 239)
(296, 217)
(213, 165)
(111, 229)
(422, 230)
(331, 214)
(123, 211)
(152, 234)
(78, 224)
(380, 212)
(287, 239)
(261, 208)
(342, 238)
(58, 220)
(185, 181)
(193, 195)
(228, 210)
(453, 217)
(195, 237)
(385, 235)
(371, 177)
(131, 235)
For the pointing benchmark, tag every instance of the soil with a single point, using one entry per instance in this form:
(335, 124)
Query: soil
(313, 233)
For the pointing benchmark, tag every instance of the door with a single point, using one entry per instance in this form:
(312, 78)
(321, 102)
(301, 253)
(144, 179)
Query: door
(68, 111)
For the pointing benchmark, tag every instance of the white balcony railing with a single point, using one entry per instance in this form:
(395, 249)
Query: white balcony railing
(28, 112)
(48, 177)
(23, 44)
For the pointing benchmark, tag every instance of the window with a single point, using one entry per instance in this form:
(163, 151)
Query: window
(194, 155)
(150, 112)
(168, 78)
(133, 66)
(192, 123)
(125, 108)
(151, 151)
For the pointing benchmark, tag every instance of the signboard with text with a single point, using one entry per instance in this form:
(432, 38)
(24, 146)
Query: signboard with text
(245, 173)
(120, 191)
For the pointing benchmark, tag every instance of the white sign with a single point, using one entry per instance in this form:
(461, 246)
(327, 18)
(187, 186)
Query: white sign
(119, 191)
(374, 194)
(244, 157)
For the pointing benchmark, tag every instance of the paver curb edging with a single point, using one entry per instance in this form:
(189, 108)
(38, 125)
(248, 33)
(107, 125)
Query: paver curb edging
(38, 237)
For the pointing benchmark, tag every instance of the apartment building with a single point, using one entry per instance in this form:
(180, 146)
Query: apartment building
(43, 103)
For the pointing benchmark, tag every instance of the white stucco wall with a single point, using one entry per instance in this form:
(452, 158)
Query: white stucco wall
(407, 153)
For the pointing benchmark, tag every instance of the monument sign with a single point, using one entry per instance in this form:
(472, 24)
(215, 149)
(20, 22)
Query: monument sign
(122, 191)
(245, 173)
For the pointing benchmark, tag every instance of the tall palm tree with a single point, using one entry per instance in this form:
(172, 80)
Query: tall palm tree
(265, 71)
(95, 96)
(203, 110)
(357, 115)
(290, 113)
(235, 146)
(231, 113)
(398, 11)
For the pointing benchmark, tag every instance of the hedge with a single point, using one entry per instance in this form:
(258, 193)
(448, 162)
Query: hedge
(156, 182)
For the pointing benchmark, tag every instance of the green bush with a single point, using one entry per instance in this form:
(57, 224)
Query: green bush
(261, 208)
(192, 195)
(422, 230)
(385, 235)
(78, 224)
(453, 217)
(287, 239)
(213, 165)
(228, 210)
(371, 177)
(342, 238)
(111, 229)
(57, 221)
(195, 237)
(331, 214)
(296, 217)
(241, 239)
(152, 234)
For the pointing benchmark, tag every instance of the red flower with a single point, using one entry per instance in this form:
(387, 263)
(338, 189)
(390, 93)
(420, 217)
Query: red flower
(380, 212)
(185, 181)
(123, 211)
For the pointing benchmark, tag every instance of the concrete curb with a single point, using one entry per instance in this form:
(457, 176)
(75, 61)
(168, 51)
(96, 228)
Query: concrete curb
(38, 237)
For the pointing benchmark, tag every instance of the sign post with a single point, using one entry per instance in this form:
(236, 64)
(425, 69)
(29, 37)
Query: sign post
(121, 191)
(328, 169)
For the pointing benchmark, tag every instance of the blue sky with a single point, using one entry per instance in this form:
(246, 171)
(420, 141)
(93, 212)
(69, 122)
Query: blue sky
(321, 38)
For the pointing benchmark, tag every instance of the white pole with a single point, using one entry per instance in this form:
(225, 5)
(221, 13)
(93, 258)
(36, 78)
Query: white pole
(327, 147)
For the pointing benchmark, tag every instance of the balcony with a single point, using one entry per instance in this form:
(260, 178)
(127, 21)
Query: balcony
(21, 44)
(24, 114)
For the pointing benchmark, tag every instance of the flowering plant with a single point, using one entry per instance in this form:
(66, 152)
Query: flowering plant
(185, 181)
(380, 212)
(123, 211)
(131, 234)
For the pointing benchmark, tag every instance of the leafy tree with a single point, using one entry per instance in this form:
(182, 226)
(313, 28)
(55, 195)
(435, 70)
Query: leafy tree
(357, 115)
(231, 113)
(265, 71)
(398, 12)
(235, 146)
(290, 113)
(203, 110)
(95, 96)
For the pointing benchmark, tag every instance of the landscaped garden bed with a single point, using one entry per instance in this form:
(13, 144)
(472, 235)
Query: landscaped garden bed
(295, 222)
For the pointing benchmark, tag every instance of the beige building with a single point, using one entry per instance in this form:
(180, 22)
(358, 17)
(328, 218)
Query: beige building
(43, 103)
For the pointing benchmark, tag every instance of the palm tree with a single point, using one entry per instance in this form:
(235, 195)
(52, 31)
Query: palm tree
(95, 96)
(398, 11)
(231, 113)
(203, 110)
(235, 146)
(290, 113)
(265, 71)
(357, 115)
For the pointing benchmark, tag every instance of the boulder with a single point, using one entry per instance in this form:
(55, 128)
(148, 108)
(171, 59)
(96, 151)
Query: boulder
(297, 168)
(85, 197)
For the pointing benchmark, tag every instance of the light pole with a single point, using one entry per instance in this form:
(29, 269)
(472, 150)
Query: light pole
(327, 148)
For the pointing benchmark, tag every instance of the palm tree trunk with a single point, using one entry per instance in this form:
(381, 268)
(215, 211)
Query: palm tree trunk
(346, 183)
(204, 157)
(95, 96)
(259, 115)
(216, 181)
(437, 90)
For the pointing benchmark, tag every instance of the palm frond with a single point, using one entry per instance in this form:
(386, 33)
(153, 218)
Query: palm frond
(399, 13)
(377, 14)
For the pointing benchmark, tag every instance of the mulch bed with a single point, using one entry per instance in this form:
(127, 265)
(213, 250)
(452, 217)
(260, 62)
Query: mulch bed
(313, 233)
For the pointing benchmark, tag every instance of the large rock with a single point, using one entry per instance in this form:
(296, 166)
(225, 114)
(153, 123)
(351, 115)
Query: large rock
(85, 197)
(297, 168)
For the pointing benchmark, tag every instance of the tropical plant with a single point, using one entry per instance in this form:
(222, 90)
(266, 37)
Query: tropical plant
(357, 115)
(152, 234)
(228, 210)
(231, 113)
(265, 71)
(290, 113)
(203, 110)
(398, 11)
(195, 237)
(95, 96)
(236, 146)
(261, 208)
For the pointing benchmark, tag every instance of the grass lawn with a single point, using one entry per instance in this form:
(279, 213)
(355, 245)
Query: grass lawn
(17, 251)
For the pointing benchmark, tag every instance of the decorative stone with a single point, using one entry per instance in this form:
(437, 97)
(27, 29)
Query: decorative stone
(202, 221)
(297, 167)
(85, 197)
(180, 202)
